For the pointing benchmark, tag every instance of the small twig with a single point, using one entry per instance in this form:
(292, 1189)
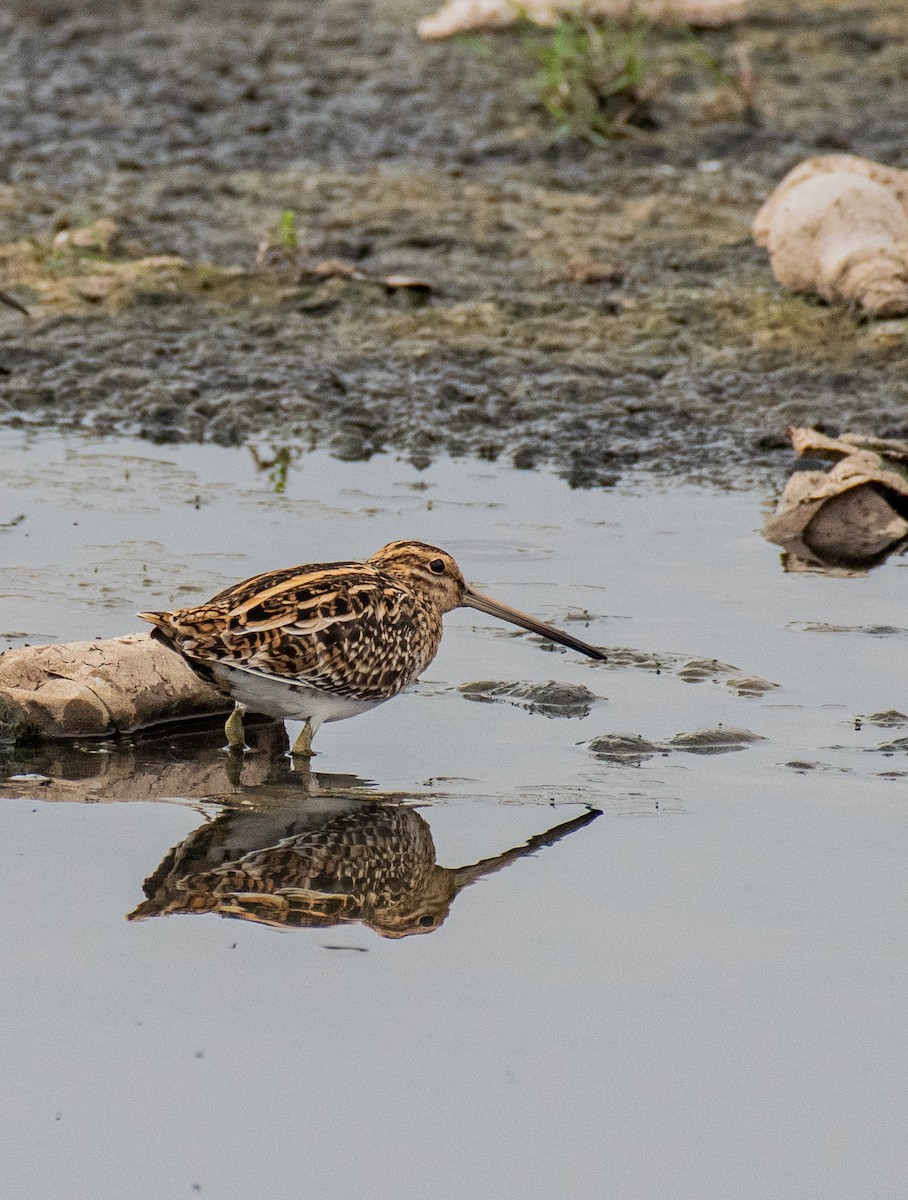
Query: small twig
(14, 303)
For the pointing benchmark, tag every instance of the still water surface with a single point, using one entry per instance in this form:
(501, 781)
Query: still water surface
(699, 994)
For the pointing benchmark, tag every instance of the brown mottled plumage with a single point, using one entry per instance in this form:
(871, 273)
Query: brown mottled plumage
(374, 864)
(326, 641)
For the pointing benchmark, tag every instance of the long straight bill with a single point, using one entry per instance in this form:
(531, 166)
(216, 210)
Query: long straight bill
(513, 616)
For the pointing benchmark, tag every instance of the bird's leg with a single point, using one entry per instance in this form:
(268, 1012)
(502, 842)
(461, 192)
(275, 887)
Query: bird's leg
(302, 747)
(234, 728)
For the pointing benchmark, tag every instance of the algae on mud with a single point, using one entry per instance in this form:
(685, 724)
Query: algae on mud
(427, 160)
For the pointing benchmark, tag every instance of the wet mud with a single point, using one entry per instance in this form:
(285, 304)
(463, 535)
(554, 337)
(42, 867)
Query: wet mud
(192, 129)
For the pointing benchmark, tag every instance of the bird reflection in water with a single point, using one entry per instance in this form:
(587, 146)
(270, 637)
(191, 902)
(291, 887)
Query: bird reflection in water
(332, 863)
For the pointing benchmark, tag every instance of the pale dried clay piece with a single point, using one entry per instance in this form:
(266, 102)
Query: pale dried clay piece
(838, 226)
(463, 16)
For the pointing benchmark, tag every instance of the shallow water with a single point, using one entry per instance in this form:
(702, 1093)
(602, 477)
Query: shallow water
(705, 1003)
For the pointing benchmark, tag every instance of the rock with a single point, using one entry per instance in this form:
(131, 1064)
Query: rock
(850, 515)
(854, 526)
(98, 688)
(837, 226)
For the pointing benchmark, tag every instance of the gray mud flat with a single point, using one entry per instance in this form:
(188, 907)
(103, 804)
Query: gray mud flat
(698, 994)
(194, 129)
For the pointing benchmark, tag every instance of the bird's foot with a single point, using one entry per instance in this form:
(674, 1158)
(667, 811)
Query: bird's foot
(302, 747)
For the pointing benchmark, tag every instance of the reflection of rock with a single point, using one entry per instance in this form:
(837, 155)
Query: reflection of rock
(328, 862)
(154, 766)
(551, 699)
(850, 517)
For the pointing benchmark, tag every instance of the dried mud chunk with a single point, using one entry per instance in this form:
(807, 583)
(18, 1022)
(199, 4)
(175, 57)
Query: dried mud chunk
(804, 767)
(750, 685)
(623, 748)
(698, 670)
(645, 660)
(890, 719)
(714, 741)
(550, 699)
(869, 630)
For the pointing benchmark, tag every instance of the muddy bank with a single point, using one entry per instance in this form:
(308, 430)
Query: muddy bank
(194, 130)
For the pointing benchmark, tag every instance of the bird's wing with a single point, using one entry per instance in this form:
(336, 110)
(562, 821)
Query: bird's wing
(302, 601)
(340, 627)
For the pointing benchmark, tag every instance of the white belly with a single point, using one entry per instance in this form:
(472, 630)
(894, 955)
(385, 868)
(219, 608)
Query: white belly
(285, 699)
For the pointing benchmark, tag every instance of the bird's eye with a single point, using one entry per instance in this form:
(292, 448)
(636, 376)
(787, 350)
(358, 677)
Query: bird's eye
(437, 566)
(428, 919)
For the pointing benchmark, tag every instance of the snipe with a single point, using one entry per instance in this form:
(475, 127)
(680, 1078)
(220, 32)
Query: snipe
(328, 641)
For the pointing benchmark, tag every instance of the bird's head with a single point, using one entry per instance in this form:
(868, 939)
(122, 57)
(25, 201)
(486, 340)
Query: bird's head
(425, 569)
(435, 573)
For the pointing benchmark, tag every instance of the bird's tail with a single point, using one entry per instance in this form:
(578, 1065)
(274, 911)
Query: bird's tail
(163, 626)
